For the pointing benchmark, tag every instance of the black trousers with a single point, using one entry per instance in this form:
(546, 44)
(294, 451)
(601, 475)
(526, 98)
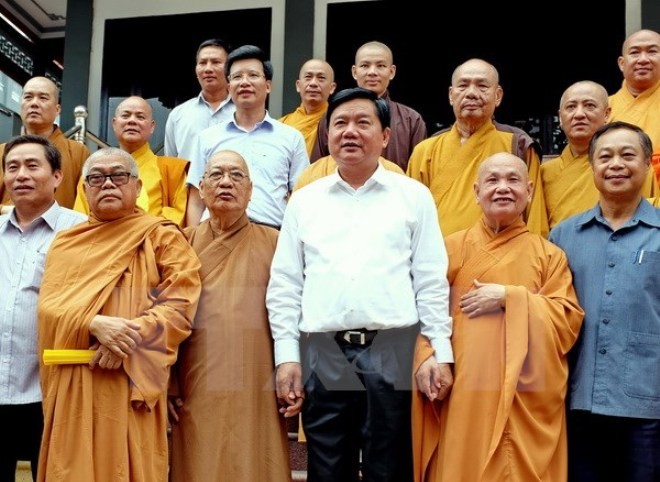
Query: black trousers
(603, 448)
(24, 442)
(358, 401)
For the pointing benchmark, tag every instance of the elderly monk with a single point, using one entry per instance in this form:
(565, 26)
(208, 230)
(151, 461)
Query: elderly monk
(448, 162)
(638, 99)
(125, 285)
(515, 318)
(568, 185)
(163, 178)
(226, 426)
(40, 108)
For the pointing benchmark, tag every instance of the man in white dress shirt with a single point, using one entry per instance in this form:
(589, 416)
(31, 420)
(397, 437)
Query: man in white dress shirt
(33, 170)
(359, 269)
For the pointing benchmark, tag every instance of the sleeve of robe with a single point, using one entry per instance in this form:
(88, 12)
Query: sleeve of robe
(169, 320)
(536, 214)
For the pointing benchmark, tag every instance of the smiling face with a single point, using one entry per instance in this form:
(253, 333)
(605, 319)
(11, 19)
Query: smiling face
(221, 187)
(109, 201)
(502, 189)
(248, 86)
(619, 164)
(29, 178)
(640, 60)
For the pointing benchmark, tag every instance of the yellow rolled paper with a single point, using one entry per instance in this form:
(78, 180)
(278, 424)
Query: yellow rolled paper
(67, 357)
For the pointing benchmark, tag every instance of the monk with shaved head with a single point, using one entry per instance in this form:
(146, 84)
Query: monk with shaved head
(515, 317)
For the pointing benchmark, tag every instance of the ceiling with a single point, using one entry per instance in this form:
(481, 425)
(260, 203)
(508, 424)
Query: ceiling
(39, 19)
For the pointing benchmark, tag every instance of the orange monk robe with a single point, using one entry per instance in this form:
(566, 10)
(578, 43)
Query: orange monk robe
(504, 419)
(643, 111)
(164, 191)
(306, 123)
(325, 166)
(449, 169)
(568, 186)
(102, 425)
(229, 427)
(73, 157)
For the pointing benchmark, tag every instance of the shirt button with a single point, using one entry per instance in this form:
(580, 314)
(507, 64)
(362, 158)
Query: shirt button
(606, 321)
(614, 238)
(611, 265)
(602, 351)
(608, 292)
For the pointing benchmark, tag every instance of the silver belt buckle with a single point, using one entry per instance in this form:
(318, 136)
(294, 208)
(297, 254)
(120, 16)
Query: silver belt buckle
(348, 334)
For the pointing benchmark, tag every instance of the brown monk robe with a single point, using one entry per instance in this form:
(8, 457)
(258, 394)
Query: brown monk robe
(126, 284)
(515, 318)
(226, 425)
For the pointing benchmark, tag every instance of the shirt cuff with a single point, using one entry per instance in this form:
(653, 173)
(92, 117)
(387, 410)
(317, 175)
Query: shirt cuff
(443, 351)
(286, 351)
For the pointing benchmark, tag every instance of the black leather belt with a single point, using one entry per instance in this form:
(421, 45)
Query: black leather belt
(361, 337)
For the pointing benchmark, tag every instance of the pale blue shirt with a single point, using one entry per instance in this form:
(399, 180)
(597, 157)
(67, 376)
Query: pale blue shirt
(615, 365)
(187, 120)
(371, 257)
(22, 260)
(275, 154)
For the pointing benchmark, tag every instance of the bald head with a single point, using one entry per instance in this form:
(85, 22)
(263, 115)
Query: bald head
(643, 36)
(478, 66)
(133, 123)
(225, 187)
(502, 160)
(315, 84)
(226, 156)
(374, 46)
(595, 90)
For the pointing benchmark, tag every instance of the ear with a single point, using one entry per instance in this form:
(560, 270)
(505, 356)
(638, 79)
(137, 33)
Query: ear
(58, 175)
(139, 186)
(354, 72)
(451, 102)
(386, 136)
(476, 191)
(530, 190)
(620, 61)
(298, 86)
(333, 86)
(499, 94)
(269, 86)
(392, 71)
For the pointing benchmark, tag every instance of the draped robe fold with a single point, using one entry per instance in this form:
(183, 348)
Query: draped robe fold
(504, 419)
(111, 425)
(229, 427)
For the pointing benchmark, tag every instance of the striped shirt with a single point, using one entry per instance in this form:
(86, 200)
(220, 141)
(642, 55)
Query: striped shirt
(22, 260)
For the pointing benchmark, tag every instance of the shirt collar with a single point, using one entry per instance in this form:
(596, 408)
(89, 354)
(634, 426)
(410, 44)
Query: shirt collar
(645, 213)
(49, 217)
(378, 177)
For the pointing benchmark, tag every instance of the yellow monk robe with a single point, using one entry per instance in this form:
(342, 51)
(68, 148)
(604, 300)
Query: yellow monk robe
(306, 123)
(164, 190)
(449, 169)
(73, 155)
(655, 202)
(568, 186)
(504, 419)
(325, 166)
(102, 425)
(229, 427)
(643, 111)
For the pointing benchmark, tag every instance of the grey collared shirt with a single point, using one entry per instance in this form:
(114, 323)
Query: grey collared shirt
(22, 260)
(615, 365)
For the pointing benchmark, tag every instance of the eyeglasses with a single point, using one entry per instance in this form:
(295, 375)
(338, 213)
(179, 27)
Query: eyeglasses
(251, 76)
(117, 178)
(235, 175)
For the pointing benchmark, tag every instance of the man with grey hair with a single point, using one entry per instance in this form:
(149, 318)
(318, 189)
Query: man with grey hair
(118, 296)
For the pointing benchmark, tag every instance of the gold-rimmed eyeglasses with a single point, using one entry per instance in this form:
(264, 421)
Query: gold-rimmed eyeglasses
(117, 178)
(235, 175)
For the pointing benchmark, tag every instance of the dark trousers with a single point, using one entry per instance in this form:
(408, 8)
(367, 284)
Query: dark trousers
(603, 448)
(24, 441)
(358, 401)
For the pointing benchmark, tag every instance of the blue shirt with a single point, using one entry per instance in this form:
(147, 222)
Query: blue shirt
(615, 366)
(187, 120)
(275, 154)
(22, 259)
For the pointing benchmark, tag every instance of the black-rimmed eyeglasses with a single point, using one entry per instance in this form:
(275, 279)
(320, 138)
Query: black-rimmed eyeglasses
(117, 178)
